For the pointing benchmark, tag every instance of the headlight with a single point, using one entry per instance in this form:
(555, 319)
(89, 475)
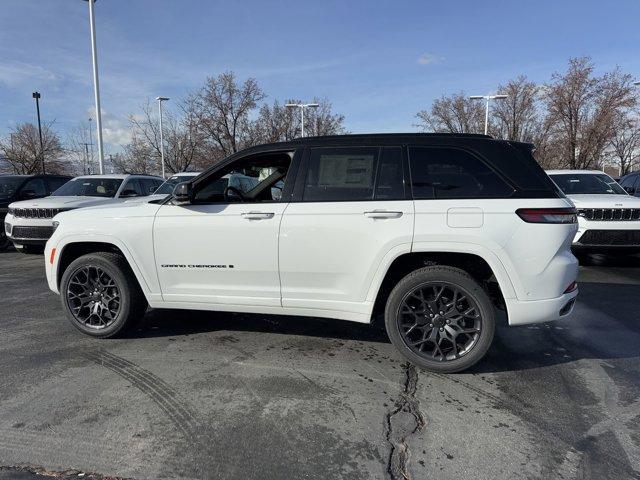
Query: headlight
(55, 225)
(8, 210)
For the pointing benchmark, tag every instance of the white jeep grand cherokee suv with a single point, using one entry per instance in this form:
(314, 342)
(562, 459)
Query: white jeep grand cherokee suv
(432, 231)
(608, 217)
(29, 223)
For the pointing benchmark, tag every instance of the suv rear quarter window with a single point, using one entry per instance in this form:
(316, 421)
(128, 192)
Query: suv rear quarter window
(449, 173)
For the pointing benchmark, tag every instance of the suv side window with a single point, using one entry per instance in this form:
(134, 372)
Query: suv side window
(252, 179)
(447, 172)
(340, 174)
(390, 176)
(133, 184)
(148, 185)
(55, 183)
(35, 185)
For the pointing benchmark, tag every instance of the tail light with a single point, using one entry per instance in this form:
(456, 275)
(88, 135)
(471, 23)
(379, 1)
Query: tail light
(548, 215)
(572, 286)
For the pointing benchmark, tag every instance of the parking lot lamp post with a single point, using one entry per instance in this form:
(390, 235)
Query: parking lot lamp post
(160, 100)
(302, 106)
(96, 84)
(37, 96)
(487, 99)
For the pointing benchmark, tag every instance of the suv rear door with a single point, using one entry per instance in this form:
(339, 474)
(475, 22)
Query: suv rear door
(350, 211)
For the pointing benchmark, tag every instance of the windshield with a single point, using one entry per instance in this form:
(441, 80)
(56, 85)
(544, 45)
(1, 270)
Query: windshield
(9, 185)
(89, 187)
(167, 187)
(587, 183)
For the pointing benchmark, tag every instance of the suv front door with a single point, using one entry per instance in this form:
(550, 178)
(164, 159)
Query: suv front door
(223, 247)
(351, 212)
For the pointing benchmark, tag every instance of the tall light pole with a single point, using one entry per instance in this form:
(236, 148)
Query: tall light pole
(302, 106)
(96, 84)
(37, 96)
(160, 100)
(90, 142)
(487, 98)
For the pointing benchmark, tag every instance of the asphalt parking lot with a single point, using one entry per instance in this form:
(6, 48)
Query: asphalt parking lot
(202, 395)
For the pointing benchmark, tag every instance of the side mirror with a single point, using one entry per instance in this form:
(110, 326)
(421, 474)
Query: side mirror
(152, 189)
(182, 193)
(128, 193)
(630, 190)
(26, 194)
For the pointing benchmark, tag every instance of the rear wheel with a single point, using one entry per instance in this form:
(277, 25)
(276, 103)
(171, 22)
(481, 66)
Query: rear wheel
(100, 295)
(440, 319)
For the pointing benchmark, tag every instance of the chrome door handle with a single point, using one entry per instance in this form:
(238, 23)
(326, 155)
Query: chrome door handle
(257, 215)
(382, 214)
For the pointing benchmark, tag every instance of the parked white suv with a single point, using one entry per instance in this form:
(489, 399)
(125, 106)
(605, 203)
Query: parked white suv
(29, 223)
(608, 217)
(433, 232)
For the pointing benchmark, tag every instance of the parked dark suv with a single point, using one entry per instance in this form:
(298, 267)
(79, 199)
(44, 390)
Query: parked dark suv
(631, 183)
(25, 187)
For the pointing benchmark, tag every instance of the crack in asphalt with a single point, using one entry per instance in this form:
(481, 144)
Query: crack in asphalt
(402, 422)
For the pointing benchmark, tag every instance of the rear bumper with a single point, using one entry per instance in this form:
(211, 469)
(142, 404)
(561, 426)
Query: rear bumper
(538, 311)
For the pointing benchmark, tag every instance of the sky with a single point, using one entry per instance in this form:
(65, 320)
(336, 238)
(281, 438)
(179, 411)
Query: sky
(378, 62)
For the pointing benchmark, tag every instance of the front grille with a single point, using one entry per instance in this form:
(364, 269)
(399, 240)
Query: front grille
(36, 212)
(32, 233)
(614, 238)
(610, 214)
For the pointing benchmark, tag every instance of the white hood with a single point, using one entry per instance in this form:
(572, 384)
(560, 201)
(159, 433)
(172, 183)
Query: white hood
(65, 202)
(604, 201)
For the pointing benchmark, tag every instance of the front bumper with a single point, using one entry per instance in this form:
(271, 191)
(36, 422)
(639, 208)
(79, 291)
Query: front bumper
(23, 231)
(538, 311)
(607, 234)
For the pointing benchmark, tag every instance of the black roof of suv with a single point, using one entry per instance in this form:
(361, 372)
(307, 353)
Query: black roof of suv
(513, 160)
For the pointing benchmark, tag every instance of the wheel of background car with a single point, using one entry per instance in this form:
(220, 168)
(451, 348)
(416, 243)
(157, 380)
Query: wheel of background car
(440, 319)
(235, 190)
(4, 242)
(31, 249)
(100, 295)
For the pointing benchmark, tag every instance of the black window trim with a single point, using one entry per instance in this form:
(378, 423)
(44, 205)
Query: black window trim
(301, 178)
(474, 154)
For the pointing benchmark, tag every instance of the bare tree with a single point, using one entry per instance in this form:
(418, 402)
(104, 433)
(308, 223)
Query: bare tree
(582, 110)
(77, 149)
(516, 117)
(222, 108)
(21, 150)
(322, 121)
(277, 123)
(183, 138)
(625, 143)
(136, 157)
(452, 114)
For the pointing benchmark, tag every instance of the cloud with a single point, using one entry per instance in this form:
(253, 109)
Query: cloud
(429, 59)
(115, 129)
(15, 74)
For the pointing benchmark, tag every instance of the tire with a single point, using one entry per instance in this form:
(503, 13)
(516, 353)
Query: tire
(30, 249)
(4, 242)
(119, 306)
(472, 328)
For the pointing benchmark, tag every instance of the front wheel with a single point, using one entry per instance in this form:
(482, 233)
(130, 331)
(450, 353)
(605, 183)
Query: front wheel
(100, 295)
(440, 319)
